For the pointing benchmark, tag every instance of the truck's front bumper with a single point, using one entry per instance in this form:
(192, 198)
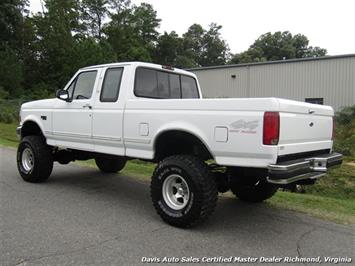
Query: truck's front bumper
(302, 169)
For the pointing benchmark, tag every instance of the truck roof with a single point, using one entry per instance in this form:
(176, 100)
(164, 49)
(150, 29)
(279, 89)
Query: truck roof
(143, 64)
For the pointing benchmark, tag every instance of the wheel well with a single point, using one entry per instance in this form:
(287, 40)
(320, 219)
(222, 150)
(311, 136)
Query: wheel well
(179, 142)
(30, 128)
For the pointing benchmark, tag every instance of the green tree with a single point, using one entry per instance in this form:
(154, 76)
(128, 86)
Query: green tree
(11, 72)
(205, 47)
(87, 51)
(12, 15)
(56, 32)
(116, 6)
(94, 13)
(132, 32)
(168, 48)
(11, 21)
(278, 46)
(30, 55)
(214, 50)
(193, 43)
(197, 47)
(146, 23)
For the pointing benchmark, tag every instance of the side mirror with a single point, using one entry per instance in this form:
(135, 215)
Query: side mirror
(63, 95)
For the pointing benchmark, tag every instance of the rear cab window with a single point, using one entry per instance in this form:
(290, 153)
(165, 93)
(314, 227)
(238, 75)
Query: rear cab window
(153, 83)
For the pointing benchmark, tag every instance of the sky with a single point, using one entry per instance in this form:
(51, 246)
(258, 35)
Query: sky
(329, 24)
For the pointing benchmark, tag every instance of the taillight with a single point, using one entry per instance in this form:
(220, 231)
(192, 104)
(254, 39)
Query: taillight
(333, 132)
(271, 128)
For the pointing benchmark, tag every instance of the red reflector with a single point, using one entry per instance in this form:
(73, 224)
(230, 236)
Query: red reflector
(271, 128)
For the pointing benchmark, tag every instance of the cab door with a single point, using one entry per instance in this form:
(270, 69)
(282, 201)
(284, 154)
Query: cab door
(107, 132)
(72, 120)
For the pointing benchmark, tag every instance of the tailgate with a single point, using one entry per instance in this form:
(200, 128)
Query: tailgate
(304, 127)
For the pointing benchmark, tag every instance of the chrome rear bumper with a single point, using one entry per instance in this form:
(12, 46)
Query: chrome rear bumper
(302, 169)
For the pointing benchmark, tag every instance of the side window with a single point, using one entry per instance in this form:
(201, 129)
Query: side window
(188, 87)
(84, 85)
(175, 87)
(163, 85)
(146, 83)
(111, 85)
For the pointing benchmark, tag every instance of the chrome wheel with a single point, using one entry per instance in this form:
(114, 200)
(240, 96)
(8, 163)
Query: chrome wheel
(27, 159)
(176, 192)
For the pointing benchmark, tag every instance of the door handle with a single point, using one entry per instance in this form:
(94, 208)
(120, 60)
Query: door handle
(87, 106)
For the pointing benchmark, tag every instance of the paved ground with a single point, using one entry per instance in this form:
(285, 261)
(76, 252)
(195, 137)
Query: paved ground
(82, 217)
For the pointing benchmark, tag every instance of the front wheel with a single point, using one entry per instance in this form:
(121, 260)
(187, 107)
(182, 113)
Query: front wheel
(34, 159)
(183, 190)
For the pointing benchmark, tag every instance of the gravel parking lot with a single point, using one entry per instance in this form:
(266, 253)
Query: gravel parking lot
(83, 217)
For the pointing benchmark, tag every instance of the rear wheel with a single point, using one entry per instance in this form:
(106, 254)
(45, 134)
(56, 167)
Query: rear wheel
(34, 159)
(250, 185)
(183, 190)
(110, 164)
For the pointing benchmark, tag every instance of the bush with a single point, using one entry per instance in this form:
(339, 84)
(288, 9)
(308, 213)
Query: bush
(345, 146)
(345, 131)
(346, 115)
(9, 110)
(39, 92)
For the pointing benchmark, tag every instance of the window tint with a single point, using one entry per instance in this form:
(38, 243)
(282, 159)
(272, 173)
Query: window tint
(314, 100)
(188, 87)
(146, 83)
(175, 91)
(111, 85)
(84, 85)
(163, 85)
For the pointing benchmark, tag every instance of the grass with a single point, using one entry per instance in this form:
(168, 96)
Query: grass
(8, 135)
(134, 168)
(332, 198)
(340, 210)
(339, 183)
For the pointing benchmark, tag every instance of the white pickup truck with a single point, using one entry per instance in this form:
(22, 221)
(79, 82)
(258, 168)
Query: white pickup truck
(116, 112)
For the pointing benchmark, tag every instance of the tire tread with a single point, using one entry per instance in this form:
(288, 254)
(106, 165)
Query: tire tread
(206, 182)
(42, 153)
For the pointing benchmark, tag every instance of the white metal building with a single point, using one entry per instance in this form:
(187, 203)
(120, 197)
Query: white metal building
(328, 80)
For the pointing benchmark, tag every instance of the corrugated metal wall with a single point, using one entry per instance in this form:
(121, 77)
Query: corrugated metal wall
(332, 79)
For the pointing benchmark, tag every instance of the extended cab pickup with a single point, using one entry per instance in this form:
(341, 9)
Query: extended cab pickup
(116, 112)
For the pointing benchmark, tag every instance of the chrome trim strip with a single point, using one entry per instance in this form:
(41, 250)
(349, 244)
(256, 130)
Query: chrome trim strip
(144, 141)
(334, 156)
(312, 175)
(73, 135)
(289, 167)
(106, 138)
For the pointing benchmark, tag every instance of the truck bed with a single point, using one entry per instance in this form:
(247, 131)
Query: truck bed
(225, 123)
